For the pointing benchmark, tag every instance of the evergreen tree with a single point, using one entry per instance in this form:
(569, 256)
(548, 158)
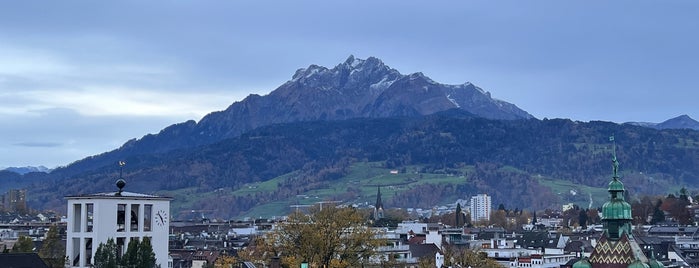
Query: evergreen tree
(130, 258)
(107, 255)
(146, 256)
(53, 251)
(24, 244)
(658, 214)
(582, 219)
(459, 215)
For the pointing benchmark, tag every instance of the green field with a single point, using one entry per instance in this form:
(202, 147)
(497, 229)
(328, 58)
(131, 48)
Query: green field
(367, 177)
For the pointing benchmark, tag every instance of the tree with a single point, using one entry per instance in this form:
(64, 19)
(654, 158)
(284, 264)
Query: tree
(139, 254)
(582, 219)
(24, 244)
(130, 258)
(460, 257)
(225, 261)
(658, 214)
(499, 218)
(107, 255)
(328, 237)
(146, 256)
(53, 252)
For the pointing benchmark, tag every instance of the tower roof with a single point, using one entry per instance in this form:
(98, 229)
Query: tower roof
(616, 208)
(379, 203)
(120, 194)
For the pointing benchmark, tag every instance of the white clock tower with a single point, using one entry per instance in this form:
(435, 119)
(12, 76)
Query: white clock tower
(122, 216)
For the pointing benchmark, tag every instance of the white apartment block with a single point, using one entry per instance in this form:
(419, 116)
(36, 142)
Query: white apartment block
(481, 207)
(122, 216)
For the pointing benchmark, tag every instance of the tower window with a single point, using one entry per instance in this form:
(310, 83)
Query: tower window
(89, 209)
(76, 252)
(77, 213)
(134, 217)
(147, 217)
(88, 251)
(121, 217)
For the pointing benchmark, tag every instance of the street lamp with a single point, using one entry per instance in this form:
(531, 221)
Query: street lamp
(304, 264)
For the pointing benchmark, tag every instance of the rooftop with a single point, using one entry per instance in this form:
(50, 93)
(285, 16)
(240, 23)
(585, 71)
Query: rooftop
(118, 195)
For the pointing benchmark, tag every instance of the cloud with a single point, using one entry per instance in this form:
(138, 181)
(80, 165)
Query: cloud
(39, 144)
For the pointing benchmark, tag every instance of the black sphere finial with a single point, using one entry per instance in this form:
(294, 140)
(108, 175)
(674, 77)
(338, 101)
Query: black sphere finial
(120, 183)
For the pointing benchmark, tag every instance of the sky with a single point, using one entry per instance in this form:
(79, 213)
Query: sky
(79, 78)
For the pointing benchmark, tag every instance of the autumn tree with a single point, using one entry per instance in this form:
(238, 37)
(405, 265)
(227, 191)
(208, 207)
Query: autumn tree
(225, 261)
(53, 252)
(24, 244)
(461, 257)
(327, 237)
(522, 219)
(499, 218)
(259, 250)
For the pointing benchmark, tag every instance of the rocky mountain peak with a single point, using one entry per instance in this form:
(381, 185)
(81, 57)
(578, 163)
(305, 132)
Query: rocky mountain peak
(355, 88)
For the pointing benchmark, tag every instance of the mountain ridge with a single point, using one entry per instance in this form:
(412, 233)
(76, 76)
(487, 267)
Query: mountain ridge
(354, 88)
(506, 158)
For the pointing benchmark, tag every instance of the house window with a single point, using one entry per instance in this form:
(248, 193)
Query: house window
(89, 208)
(76, 217)
(147, 217)
(134, 217)
(121, 217)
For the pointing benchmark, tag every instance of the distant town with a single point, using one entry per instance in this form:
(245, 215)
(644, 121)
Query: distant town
(472, 232)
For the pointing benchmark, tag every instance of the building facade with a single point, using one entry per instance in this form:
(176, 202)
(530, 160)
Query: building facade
(121, 216)
(481, 207)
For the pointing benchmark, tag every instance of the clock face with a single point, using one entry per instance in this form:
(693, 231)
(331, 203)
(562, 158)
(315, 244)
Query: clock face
(161, 217)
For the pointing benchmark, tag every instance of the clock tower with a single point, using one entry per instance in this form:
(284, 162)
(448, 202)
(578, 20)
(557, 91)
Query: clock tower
(122, 216)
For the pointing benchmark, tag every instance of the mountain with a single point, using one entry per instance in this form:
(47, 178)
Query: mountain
(680, 122)
(323, 134)
(356, 88)
(441, 157)
(27, 169)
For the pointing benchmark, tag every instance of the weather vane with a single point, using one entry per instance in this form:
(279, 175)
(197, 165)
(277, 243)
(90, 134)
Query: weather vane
(121, 168)
(615, 163)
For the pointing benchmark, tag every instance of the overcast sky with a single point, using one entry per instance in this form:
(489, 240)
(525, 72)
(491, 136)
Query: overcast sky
(79, 78)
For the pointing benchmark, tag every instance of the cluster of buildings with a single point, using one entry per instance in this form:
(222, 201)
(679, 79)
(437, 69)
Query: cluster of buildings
(126, 216)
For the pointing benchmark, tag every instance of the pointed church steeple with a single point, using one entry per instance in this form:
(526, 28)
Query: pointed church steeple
(378, 207)
(617, 246)
(616, 213)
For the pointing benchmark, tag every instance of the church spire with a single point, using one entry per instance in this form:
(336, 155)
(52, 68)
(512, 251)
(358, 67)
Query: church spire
(616, 213)
(378, 207)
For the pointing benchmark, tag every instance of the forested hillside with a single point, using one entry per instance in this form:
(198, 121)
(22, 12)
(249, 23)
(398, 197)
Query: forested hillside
(505, 159)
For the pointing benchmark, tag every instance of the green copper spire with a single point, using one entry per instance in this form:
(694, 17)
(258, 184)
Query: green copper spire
(616, 213)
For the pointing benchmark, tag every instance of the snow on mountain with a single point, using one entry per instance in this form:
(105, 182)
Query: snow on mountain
(28, 169)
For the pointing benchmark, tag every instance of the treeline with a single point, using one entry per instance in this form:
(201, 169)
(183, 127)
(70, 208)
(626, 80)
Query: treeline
(322, 151)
